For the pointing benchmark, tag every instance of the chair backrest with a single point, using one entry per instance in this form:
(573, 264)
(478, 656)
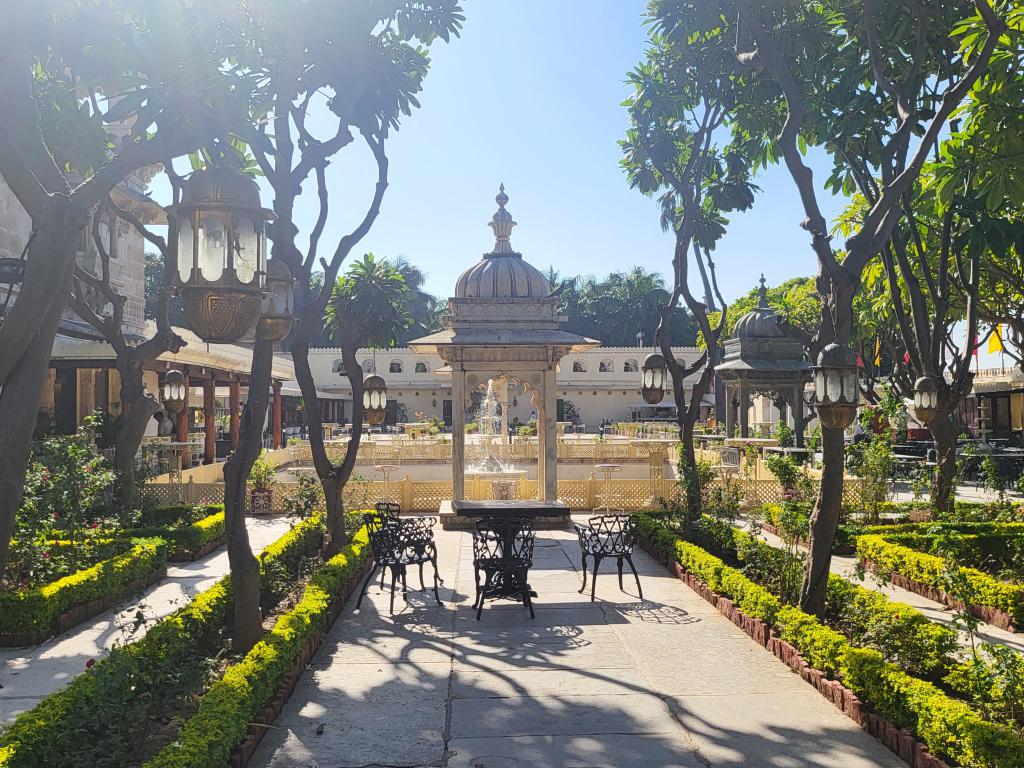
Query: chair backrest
(616, 533)
(492, 534)
(391, 509)
(729, 456)
(383, 531)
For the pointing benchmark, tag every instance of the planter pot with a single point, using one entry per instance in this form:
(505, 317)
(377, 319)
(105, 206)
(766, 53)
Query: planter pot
(261, 502)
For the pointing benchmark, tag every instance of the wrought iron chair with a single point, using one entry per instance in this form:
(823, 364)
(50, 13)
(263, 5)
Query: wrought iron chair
(397, 544)
(502, 558)
(392, 511)
(608, 536)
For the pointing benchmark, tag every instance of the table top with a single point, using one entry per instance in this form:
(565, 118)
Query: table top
(517, 507)
(608, 467)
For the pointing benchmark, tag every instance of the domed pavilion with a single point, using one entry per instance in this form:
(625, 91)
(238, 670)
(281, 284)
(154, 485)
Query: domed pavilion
(504, 327)
(762, 359)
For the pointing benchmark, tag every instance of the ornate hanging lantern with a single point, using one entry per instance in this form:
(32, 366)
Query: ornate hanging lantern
(375, 399)
(654, 375)
(278, 303)
(218, 253)
(836, 389)
(173, 393)
(926, 399)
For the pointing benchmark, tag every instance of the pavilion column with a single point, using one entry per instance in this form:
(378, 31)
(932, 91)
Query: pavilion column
(502, 396)
(182, 426)
(547, 420)
(730, 413)
(276, 424)
(210, 421)
(458, 433)
(744, 411)
(234, 396)
(798, 414)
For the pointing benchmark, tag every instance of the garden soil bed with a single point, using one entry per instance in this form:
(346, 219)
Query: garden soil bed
(74, 616)
(898, 740)
(257, 730)
(191, 555)
(989, 615)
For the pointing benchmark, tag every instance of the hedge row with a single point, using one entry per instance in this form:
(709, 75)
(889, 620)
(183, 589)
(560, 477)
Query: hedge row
(227, 708)
(945, 725)
(35, 611)
(94, 720)
(186, 540)
(929, 570)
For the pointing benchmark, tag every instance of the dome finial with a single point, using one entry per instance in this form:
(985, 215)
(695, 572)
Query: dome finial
(762, 294)
(501, 224)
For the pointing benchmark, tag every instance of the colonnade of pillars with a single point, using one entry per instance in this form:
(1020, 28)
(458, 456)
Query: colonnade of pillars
(738, 404)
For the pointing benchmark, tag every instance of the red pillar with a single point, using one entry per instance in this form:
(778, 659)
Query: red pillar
(210, 421)
(233, 399)
(277, 416)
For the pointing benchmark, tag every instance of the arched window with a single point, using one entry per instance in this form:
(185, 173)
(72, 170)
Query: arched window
(606, 366)
(421, 367)
(337, 367)
(395, 366)
(368, 367)
(578, 366)
(630, 366)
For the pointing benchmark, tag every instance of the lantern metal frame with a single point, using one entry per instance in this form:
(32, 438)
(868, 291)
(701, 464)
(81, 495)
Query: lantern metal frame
(173, 392)
(375, 399)
(926, 399)
(12, 271)
(220, 306)
(278, 304)
(836, 386)
(653, 378)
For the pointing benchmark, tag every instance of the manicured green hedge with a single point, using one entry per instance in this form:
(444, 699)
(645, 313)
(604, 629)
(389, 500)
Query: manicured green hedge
(93, 721)
(929, 569)
(34, 611)
(945, 725)
(185, 540)
(227, 708)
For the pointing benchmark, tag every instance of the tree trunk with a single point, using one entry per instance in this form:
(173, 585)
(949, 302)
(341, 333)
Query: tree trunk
(824, 522)
(20, 392)
(691, 477)
(245, 571)
(944, 433)
(137, 409)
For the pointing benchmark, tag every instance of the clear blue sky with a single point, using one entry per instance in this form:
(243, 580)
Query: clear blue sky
(531, 95)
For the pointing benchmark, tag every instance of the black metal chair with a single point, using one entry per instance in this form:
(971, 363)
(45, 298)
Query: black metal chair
(391, 509)
(502, 558)
(608, 536)
(397, 544)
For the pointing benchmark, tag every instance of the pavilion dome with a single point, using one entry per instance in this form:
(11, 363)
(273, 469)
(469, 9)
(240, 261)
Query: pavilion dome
(502, 273)
(761, 322)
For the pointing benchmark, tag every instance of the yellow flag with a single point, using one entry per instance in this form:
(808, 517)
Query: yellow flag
(995, 340)
(878, 351)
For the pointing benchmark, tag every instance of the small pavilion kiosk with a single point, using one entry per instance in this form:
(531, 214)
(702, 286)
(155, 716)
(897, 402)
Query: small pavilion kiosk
(504, 327)
(762, 359)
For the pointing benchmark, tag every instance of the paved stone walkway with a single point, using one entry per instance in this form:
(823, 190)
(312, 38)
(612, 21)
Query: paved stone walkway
(663, 682)
(29, 674)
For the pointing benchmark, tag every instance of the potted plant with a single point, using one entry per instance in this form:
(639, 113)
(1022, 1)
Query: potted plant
(261, 487)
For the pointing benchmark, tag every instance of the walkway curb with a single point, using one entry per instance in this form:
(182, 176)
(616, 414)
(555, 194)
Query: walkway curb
(899, 741)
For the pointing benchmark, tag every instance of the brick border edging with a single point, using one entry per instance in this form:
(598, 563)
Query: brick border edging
(242, 754)
(898, 740)
(185, 555)
(843, 550)
(994, 616)
(75, 615)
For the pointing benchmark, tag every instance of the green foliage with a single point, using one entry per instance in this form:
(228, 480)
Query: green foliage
(784, 468)
(263, 474)
(188, 538)
(784, 434)
(307, 500)
(368, 305)
(227, 708)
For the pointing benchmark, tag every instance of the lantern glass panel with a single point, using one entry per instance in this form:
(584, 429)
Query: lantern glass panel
(213, 244)
(833, 386)
(366, 400)
(819, 384)
(185, 252)
(246, 250)
(850, 387)
(648, 378)
(281, 298)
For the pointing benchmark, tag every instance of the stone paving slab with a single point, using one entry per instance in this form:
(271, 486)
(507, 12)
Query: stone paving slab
(666, 681)
(27, 675)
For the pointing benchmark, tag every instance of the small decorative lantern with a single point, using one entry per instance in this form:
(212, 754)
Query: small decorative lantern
(278, 302)
(218, 253)
(375, 399)
(926, 399)
(836, 389)
(173, 393)
(654, 375)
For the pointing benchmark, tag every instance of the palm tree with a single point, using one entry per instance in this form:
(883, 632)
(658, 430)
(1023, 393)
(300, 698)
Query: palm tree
(421, 306)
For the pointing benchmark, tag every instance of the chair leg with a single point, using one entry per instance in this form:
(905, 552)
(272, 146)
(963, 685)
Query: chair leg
(405, 587)
(639, 589)
(437, 578)
(422, 585)
(593, 577)
(480, 597)
(366, 584)
(584, 564)
(382, 571)
(618, 562)
(528, 600)
(394, 579)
